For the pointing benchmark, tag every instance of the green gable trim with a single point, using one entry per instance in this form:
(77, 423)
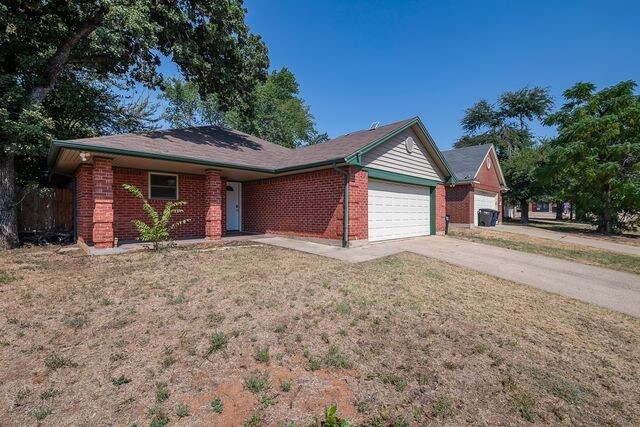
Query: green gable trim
(398, 177)
(356, 157)
(432, 211)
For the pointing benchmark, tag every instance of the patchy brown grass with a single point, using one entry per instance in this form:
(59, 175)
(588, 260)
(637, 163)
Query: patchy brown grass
(239, 333)
(552, 248)
(583, 230)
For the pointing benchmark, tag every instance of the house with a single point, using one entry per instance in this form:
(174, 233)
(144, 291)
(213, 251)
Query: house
(479, 184)
(541, 209)
(382, 183)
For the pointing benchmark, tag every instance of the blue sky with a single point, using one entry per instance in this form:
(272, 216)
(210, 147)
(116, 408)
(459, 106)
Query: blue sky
(364, 61)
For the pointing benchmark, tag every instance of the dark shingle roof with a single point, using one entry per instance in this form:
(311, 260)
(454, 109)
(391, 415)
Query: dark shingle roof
(466, 161)
(232, 147)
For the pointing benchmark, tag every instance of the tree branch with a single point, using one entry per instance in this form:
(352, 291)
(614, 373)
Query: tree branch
(56, 63)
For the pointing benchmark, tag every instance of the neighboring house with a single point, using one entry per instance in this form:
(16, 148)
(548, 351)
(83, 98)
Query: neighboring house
(392, 178)
(540, 210)
(479, 183)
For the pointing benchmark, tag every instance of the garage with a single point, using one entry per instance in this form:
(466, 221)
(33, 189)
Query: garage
(483, 200)
(397, 210)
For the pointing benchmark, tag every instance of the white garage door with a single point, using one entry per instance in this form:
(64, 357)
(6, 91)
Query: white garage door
(483, 200)
(397, 210)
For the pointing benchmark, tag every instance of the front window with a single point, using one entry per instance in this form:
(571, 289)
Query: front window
(163, 186)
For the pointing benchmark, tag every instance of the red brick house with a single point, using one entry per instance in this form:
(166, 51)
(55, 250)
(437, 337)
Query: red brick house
(479, 184)
(382, 183)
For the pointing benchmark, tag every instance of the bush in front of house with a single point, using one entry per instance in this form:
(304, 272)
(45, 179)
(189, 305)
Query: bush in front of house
(157, 232)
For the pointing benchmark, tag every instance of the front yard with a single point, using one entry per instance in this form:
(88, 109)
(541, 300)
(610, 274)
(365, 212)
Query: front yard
(248, 334)
(552, 248)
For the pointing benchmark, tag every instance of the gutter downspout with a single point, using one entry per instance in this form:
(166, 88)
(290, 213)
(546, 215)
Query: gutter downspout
(345, 221)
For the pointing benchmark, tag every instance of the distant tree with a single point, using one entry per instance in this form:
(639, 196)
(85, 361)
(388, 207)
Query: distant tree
(186, 107)
(125, 40)
(506, 124)
(524, 182)
(281, 115)
(597, 153)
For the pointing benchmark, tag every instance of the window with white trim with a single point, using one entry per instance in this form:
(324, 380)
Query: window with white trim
(163, 186)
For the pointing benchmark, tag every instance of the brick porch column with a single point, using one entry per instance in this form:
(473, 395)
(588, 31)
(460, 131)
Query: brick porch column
(213, 198)
(102, 203)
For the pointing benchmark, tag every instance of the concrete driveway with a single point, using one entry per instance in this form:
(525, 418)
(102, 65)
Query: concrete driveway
(607, 288)
(570, 238)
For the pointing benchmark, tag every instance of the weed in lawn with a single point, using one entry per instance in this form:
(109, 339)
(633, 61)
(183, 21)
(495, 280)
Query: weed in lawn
(176, 299)
(21, 396)
(168, 359)
(41, 412)
(218, 341)
(76, 322)
(443, 407)
(182, 410)
(48, 393)
(214, 319)
(217, 406)
(159, 417)
(257, 382)
(285, 386)
(267, 399)
(336, 359)
(395, 380)
(280, 329)
(54, 362)
(557, 385)
(121, 380)
(262, 355)
(254, 421)
(343, 307)
(496, 359)
(525, 404)
(315, 363)
(6, 277)
(162, 392)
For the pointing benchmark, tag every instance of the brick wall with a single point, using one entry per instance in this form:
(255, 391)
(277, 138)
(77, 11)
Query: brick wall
(489, 181)
(441, 207)
(84, 203)
(460, 204)
(308, 204)
(102, 203)
(358, 205)
(191, 188)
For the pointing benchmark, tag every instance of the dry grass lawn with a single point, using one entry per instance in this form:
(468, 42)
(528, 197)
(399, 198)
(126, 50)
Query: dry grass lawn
(552, 248)
(584, 230)
(256, 335)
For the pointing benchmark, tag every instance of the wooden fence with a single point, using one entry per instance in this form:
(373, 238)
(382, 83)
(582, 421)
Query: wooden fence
(45, 211)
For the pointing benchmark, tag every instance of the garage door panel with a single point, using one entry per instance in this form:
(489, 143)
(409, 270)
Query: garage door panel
(397, 210)
(483, 200)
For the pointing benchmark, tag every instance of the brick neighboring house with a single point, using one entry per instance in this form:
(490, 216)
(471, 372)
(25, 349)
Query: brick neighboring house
(479, 184)
(387, 182)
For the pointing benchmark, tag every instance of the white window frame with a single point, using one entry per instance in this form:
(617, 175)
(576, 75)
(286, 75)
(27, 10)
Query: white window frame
(165, 174)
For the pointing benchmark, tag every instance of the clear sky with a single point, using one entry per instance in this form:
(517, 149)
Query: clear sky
(363, 61)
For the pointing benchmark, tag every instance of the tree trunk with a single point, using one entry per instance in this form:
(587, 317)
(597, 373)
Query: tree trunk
(559, 209)
(8, 209)
(524, 211)
(607, 223)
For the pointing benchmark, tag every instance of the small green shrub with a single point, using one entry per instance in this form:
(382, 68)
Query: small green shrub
(217, 342)
(182, 410)
(336, 359)
(54, 362)
(331, 419)
(443, 407)
(525, 404)
(159, 417)
(217, 406)
(41, 413)
(121, 380)
(262, 355)
(315, 363)
(257, 382)
(158, 231)
(162, 392)
(285, 386)
(254, 421)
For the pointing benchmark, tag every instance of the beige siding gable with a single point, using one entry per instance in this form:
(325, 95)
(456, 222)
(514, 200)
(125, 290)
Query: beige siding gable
(392, 156)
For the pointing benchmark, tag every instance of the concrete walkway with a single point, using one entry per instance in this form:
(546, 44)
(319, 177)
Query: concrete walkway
(570, 238)
(607, 288)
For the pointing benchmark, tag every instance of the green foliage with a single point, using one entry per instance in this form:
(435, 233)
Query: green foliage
(597, 153)
(217, 342)
(506, 124)
(158, 230)
(162, 392)
(522, 168)
(331, 419)
(257, 382)
(278, 115)
(217, 406)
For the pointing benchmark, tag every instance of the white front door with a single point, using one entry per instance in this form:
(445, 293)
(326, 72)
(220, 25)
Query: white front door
(397, 210)
(483, 200)
(233, 206)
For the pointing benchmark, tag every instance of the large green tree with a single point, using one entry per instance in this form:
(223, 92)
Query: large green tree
(597, 153)
(507, 125)
(279, 115)
(42, 41)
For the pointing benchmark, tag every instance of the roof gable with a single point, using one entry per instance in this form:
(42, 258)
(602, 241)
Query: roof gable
(467, 161)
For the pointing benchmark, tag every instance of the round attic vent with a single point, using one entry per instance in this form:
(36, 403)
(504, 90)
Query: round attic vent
(409, 144)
